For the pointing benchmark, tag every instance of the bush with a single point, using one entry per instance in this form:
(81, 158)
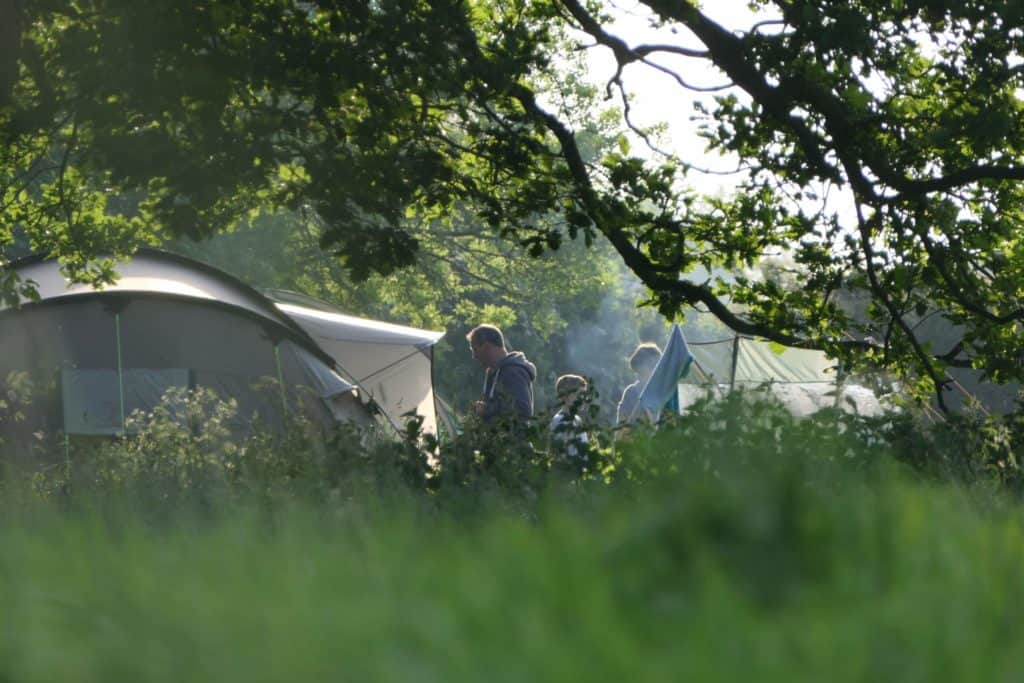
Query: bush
(187, 453)
(736, 543)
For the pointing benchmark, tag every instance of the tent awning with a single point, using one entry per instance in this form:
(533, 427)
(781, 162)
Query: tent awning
(392, 363)
(347, 328)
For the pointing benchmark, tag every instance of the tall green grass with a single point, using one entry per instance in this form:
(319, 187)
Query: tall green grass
(738, 544)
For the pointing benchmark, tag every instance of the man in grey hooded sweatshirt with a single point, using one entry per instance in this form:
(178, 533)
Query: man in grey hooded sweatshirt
(508, 378)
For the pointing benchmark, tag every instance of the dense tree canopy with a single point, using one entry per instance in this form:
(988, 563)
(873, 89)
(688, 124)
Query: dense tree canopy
(878, 146)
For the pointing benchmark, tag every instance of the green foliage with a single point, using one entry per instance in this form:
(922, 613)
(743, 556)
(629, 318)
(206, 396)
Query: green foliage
(743, 544)
(200, 113)
(188, 454)
(124, 122)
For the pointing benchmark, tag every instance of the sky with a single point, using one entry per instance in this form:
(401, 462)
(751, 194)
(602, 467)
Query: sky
(656, 97)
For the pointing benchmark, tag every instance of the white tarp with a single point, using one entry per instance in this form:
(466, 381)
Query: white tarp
(760, 361)
(393, 363)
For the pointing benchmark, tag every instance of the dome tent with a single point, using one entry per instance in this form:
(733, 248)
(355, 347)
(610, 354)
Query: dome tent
(92, 357)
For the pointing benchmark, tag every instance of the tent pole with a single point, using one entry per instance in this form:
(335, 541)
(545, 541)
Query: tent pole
(280, 380)
(840, 378)
(735, 357)
(67, 460)
(120, 370)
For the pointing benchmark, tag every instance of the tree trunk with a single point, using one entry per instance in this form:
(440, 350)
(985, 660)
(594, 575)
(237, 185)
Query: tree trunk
(10, 47)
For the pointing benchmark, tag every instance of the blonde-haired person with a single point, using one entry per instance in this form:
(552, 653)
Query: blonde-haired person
(568, 434)
(643, 361)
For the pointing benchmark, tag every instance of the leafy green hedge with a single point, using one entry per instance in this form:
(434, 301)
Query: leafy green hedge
(736, 542)
(189, 452)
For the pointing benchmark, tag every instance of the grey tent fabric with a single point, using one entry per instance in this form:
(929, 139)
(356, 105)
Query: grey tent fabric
(327, 382)
(134, 352)
(85, 359)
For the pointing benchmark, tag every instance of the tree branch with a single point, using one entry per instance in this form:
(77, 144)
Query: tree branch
(729, 54)
(958, 178)
(682, 290)
(624, 54)
(645, 50)
(895, 315)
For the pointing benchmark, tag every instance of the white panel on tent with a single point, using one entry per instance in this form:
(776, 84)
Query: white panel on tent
(392, 363)
(350, 328)
(326, 382)
(405, 387)
(347, 408)
(336, 394)
(360, 360)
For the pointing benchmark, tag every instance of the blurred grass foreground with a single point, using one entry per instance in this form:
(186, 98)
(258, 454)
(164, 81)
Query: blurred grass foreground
(737, 543)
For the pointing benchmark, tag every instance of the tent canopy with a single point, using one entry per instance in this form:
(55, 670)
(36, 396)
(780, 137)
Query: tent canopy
(155, 272)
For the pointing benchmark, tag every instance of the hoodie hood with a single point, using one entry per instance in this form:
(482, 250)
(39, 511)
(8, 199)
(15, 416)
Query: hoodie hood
(517, 358)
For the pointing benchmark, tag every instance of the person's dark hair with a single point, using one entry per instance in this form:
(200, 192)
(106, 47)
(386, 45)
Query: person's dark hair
(486, 334)
(645, 355)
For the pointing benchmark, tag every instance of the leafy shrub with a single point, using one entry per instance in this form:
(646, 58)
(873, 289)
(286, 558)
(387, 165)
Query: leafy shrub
(187, 452)
(737, 543)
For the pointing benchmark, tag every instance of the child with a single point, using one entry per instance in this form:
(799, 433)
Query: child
(568, 435)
